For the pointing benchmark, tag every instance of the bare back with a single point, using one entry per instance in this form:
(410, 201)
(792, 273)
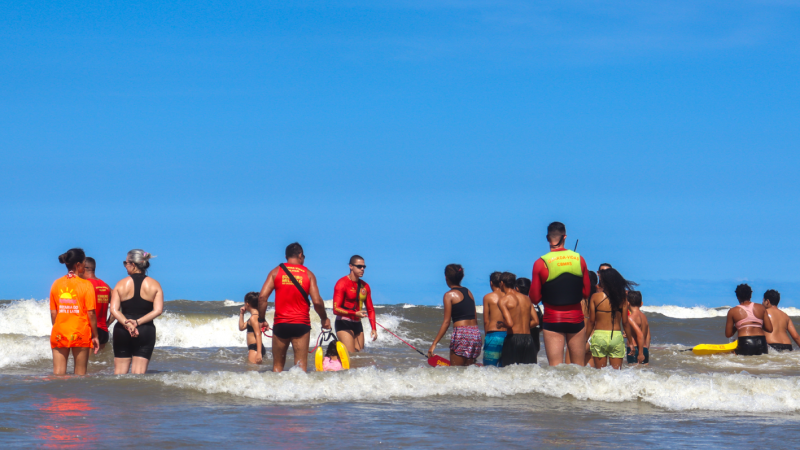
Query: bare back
(491, 312)
(150, 289)
(638, 318)
(780, 326)
(516, 309)
(605, 318)
(737, 313)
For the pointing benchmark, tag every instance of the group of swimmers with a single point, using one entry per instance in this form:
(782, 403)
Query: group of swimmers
(759, 327)
(587, 312)
(590, 314)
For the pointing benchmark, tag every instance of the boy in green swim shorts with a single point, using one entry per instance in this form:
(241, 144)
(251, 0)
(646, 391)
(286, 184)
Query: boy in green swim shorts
(607, 309)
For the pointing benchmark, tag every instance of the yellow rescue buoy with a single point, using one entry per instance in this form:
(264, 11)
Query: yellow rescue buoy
(318, 355)
(344, 357)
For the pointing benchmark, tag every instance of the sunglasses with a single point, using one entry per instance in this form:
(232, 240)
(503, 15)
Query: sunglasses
(125, 263)
(359, 266)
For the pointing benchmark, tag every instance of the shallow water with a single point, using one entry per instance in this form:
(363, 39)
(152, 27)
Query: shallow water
(200, 391)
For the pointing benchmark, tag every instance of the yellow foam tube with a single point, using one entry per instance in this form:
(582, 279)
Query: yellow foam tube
(713, 349)
(318, 355)
(344, 357)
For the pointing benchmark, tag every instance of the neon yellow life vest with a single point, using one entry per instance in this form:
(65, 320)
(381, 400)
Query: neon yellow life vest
(564, 285)
(561, 262)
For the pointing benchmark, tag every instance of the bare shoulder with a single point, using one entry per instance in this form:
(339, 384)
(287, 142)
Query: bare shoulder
(452, 295)
(491, 297)
(151, 283)
(123, 283)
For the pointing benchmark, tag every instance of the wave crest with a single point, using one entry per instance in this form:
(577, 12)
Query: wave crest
(712, 392)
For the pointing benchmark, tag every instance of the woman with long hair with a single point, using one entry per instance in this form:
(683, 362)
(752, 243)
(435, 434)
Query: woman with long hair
(72, 313)
(135, 302)
(459, 305)
(606, 308)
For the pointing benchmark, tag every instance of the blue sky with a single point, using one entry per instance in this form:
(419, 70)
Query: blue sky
(212, 134)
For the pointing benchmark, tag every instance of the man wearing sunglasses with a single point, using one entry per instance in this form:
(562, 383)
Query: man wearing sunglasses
(350, 297)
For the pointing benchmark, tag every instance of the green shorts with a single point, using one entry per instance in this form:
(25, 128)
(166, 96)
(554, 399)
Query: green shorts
(604, 345)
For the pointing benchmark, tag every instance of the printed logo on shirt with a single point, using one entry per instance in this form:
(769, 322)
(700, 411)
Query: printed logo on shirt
(67, 302)
(285, 280)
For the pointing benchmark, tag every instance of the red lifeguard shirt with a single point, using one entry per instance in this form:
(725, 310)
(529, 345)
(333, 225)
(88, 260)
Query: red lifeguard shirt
(346, 301)
(103, 294)
(558, 314)
(290, 306)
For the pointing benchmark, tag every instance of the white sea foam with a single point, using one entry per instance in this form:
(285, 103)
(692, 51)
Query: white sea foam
(26, 317)
(714, 392)
(231, 303)
(32, 318)
(680, 312)
(18, 350)
(408, 305)
(479, 309)
(700, 312)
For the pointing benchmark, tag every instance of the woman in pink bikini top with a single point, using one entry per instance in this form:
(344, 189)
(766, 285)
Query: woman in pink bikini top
(749, 320)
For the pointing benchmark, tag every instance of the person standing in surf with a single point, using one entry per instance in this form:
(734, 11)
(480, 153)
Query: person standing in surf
(750, 321)
(103, 294)
(560, 281)
(493, 342)
(255, 346)
(781, 323)
(459, 305)
(293, 283)
(135, 302)
(352, 301)
(518, 316)
(72, 305)
(523, 286)
(638, 319)
(606, 308)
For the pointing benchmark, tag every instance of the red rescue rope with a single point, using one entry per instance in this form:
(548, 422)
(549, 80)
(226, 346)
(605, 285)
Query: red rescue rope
(398, 337)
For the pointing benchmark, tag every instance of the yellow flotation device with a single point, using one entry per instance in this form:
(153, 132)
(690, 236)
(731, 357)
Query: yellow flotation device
(344, 357)
(713, 349)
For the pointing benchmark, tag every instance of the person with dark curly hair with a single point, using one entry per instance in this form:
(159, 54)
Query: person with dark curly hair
(749, 321)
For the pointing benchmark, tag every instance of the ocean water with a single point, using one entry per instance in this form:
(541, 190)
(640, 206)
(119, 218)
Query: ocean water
(201, 392)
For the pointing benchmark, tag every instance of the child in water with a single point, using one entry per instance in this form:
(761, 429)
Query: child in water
(331, 362)
(256, 350)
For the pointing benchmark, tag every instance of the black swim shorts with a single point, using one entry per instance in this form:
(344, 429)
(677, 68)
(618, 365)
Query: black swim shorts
(290, 330)
(752, 346)
(563, 327)
(782, 347)
(518, 349)
(347, 325)
(632, 359)
(141, 346)
(102, 336)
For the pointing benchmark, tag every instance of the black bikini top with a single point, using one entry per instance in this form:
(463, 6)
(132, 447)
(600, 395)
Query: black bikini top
(465, 309)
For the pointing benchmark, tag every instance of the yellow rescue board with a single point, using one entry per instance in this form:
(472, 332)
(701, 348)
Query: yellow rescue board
(713, 349)
(344, 357)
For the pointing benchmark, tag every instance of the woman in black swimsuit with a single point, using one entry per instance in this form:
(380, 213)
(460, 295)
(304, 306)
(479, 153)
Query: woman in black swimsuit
(135, 302)
(255, 347)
